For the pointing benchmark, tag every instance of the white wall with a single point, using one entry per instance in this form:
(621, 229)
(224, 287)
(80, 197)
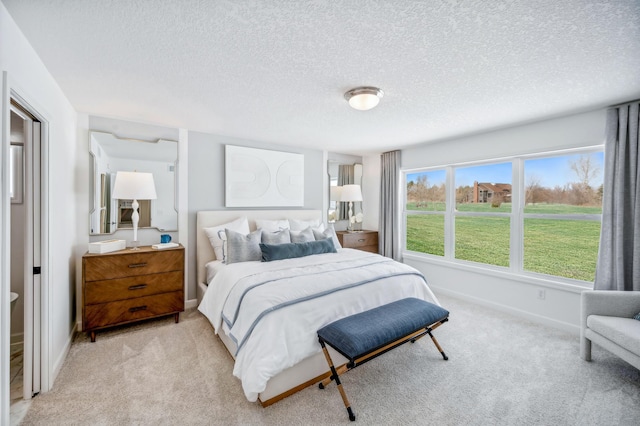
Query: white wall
(206, 182)
(502, 290)
(371, 192)
(29, 78)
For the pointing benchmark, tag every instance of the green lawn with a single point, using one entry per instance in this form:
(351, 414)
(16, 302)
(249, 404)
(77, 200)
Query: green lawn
(566, 248)
(540, 208)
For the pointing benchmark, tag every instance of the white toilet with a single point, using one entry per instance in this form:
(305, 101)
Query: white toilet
(14, 300)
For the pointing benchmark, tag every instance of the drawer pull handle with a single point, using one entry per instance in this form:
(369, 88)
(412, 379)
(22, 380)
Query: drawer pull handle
(137, 287)
(137, 265)
(138, 308)
(361, 240)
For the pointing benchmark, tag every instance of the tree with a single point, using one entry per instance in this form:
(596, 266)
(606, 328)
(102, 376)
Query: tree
(586, 169)
(534, 191)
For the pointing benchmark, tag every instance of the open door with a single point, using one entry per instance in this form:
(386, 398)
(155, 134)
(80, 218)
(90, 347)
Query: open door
(31, 231)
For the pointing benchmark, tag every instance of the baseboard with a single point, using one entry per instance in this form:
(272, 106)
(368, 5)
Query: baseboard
(192, 303)
(561, 325)
(63, 355)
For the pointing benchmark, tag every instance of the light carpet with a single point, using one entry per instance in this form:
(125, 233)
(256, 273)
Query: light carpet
(502, 370)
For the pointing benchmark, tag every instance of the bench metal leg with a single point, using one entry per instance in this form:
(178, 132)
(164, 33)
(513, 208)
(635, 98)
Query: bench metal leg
(341, 370)
(428, 331)
(438, 346)
(336, 377)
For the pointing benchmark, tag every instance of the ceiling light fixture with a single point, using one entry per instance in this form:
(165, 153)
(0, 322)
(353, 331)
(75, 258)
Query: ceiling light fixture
(363, 98)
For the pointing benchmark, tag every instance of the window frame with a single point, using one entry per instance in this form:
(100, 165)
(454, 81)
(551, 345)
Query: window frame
(517, 215)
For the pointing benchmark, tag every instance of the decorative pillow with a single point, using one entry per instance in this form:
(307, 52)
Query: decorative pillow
(217, 238)
(303, 236)
(278, 237)
(272, 225)
(637, 316)
(300, 225)
(243, 248)
(330, 232)
(272, 252)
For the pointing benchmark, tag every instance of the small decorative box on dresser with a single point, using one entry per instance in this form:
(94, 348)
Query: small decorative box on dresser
(130, 285)
(361, 240)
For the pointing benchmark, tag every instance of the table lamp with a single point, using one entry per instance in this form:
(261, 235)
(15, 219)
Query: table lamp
(134, 186)
(351, 193)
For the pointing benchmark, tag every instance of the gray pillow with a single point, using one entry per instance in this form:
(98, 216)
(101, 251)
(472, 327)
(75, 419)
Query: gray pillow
(289, 251)
(243, 248)
(303, 236)
(330, 232)
(278, 237)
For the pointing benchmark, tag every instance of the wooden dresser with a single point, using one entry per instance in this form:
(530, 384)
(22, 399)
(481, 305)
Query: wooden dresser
(362, 240)
(131, 285)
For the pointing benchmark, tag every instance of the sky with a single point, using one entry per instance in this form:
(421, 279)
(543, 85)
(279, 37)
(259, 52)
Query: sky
(549, 171)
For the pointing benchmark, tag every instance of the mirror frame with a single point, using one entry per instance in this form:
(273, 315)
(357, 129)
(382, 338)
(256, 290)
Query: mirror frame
(93, 196)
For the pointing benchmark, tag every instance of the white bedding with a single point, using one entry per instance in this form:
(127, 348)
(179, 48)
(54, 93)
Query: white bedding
(283, 304)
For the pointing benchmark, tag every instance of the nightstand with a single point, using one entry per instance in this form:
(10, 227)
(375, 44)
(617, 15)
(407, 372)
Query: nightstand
(131, 285)
(362, 240)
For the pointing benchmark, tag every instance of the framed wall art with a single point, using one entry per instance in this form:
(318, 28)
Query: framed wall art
(263, 178)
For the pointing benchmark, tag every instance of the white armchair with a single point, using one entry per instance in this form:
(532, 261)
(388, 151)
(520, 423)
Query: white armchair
(607, 320)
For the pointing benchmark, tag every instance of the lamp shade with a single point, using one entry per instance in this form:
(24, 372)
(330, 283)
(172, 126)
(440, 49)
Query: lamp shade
(134, 186)
(351, 193)
(335, 192)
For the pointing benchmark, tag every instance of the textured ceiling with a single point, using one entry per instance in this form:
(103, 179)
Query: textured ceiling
(276, 71)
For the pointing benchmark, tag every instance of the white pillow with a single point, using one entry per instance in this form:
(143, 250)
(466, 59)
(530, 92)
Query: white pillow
(278, 237)
(300, 225)
(303, 236)
(272, 225)
(217, 236)
(330, 232)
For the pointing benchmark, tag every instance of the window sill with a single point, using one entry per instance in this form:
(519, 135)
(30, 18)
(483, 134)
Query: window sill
(571, 286)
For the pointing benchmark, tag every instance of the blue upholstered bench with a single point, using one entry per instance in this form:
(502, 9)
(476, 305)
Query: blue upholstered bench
(364, 336)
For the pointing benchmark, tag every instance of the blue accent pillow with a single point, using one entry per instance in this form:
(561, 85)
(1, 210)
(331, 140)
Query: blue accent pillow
(637, 317)
(292, 250)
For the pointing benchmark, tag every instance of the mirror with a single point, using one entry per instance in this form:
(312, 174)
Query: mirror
(110, 154)
(342, 174)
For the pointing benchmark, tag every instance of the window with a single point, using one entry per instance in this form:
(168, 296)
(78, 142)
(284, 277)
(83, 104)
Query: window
(532, 215)
(482, 220)
(562, 213)
(425, 206)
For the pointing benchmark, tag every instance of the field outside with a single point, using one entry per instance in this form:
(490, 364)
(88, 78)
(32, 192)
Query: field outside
(565, 248)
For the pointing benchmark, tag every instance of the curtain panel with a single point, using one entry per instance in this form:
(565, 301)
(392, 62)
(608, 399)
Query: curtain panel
(389, 230)
(619, 253)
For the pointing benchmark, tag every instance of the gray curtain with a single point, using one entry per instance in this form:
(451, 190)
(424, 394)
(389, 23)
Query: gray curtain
(346, 176)
(619, 255)
(389, 231)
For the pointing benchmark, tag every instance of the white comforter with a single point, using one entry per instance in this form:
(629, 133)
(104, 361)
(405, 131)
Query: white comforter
(272, 310)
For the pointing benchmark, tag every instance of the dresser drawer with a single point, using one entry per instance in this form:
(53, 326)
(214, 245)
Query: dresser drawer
(104, 267)
(127, 288)
(360, 239)
(122, 311)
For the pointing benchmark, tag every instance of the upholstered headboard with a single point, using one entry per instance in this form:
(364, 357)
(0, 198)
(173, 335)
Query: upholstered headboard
(206, 219)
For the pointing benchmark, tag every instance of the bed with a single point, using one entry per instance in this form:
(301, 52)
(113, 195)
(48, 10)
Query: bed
(266, 313)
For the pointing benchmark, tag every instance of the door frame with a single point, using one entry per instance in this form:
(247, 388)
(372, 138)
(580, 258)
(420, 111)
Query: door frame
(10, 90)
